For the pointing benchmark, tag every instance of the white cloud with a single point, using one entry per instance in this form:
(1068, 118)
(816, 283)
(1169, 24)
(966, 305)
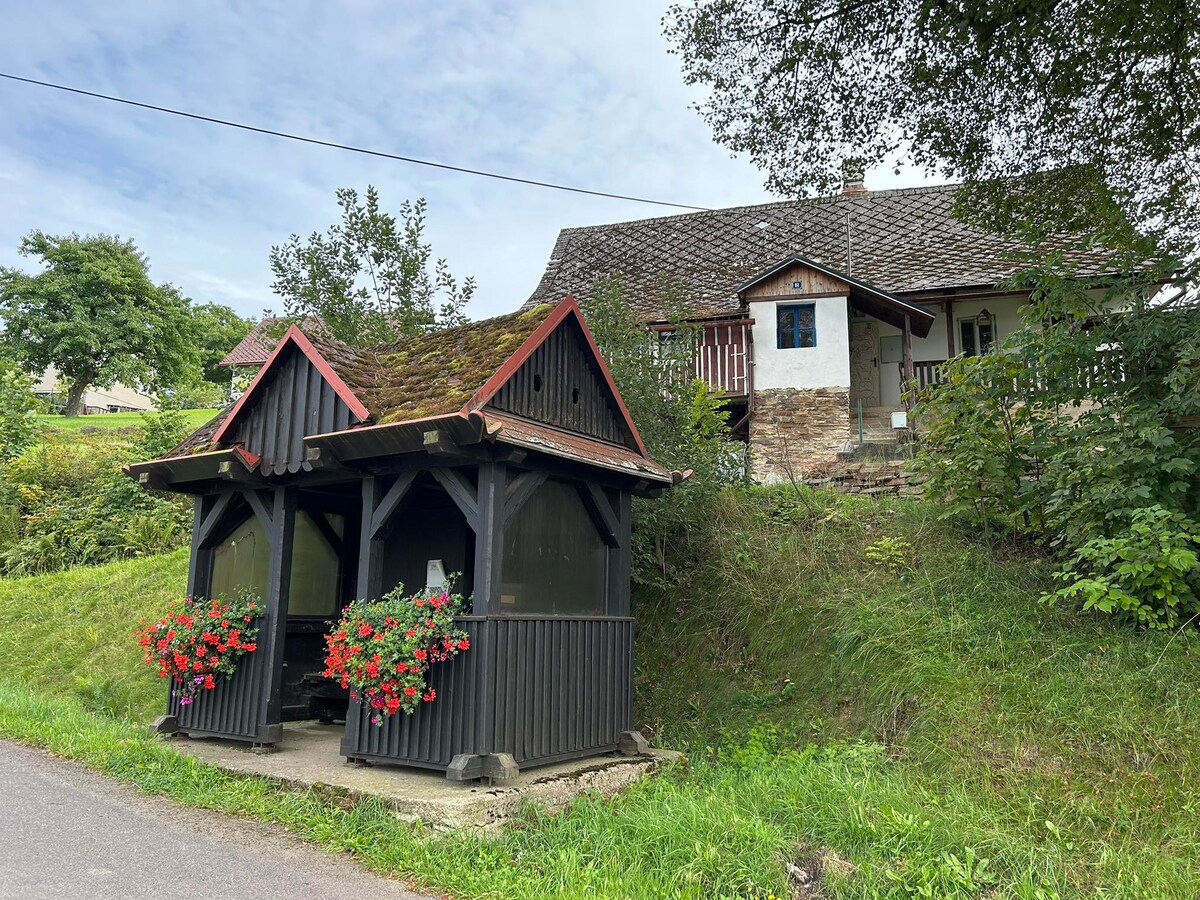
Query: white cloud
(582, 93)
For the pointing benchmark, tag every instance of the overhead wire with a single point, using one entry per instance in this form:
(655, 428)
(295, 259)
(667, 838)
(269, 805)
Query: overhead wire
(464, 170)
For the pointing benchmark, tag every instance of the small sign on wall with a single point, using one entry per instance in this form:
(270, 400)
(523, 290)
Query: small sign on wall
(891, 348)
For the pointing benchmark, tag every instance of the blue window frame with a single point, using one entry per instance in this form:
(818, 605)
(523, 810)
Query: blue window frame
(797, 325)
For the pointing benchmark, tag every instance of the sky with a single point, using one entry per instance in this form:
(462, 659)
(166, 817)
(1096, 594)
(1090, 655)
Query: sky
(582, 93)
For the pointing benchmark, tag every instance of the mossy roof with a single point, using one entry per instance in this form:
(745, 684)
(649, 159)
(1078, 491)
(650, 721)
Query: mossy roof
(417, 377)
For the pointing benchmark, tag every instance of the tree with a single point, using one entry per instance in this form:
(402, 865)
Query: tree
(218, 330)
(94, 314)
(18, 410)
(1107, 93)
(368, 279)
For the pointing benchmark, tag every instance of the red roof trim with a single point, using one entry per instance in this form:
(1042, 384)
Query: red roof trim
(568, 307)
(297, 337)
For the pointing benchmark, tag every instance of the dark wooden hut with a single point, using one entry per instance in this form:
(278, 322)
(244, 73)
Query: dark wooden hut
(500, 449)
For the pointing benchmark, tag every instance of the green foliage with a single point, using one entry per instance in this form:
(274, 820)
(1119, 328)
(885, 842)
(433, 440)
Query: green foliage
(680, 420)
(94, 314)
(1074, 434)
(18, 411)
(218, 330)
(368, 279)
(72, 505)
(891, 553)
(972, 90)
(1150, 572)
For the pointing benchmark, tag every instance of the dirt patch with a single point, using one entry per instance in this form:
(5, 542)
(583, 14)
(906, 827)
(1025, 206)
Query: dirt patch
(809, 874)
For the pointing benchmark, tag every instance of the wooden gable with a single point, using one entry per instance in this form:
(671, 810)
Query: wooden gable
(296, 394)
(562, 383)
(796, 280)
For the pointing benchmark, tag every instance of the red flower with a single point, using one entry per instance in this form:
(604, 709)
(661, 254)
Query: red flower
(410, 691)
(464, 644)
(419, 653)
(364, 629)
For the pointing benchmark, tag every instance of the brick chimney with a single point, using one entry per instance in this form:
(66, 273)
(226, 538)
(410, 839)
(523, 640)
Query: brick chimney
(853, 176)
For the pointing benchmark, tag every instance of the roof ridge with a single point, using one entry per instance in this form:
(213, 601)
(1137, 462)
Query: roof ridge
(775, 204)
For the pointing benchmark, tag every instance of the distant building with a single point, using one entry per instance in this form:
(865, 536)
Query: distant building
(118, 398)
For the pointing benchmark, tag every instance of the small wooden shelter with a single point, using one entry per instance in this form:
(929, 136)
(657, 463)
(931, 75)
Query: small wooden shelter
(501, 450)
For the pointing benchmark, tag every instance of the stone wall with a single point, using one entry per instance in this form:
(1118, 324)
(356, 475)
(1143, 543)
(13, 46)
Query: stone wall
(793, 429)
(874, 479)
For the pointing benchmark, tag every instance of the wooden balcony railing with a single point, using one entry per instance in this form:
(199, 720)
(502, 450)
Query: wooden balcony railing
(925, 372)
(723, 357)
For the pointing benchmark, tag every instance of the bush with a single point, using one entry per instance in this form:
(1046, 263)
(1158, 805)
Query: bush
(18, 410)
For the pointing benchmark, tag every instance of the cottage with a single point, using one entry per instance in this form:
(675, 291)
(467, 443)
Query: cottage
(816, 313)
(500, 450)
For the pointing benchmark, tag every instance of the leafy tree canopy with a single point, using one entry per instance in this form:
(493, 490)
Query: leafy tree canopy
(371, 277)
(95, 315)
(218, 330)
(1106, 92)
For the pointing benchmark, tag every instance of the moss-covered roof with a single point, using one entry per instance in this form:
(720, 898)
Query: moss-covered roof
(413, 378)
(437, 373)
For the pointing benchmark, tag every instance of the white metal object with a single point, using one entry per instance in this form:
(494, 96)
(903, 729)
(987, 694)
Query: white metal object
(900, 419)
(435, 574)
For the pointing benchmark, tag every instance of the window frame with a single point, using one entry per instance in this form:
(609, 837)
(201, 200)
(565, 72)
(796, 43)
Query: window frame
(796, 330)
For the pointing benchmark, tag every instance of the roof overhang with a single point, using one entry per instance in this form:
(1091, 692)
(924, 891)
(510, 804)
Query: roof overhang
(163, 474)
(881, 304)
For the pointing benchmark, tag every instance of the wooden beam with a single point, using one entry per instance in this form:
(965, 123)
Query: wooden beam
(370, 550)
(322, 524)
(620, 563)
(281, 535)
(212, 518)
(260, 509)
(601, 511)
(320, 459)
(906, 343)
(489, 536)
(437, 444)
(519, 490)
(950, 351)
(391, 500)
(465, 497)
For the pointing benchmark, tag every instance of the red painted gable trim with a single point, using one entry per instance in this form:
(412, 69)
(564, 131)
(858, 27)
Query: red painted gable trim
(297, 337)
(567, 307)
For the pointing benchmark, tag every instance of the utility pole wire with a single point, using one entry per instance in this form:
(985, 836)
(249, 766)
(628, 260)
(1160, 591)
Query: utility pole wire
(336, 146)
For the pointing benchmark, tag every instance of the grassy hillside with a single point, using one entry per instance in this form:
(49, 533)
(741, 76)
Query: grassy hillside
(1060, 747)
(115, 421)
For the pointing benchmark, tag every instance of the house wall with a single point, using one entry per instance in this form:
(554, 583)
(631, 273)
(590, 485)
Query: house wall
(801, 395)
(96, 400)
(1005, 316)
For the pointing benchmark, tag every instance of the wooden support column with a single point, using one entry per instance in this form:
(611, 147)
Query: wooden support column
(950, 351)
(489, 536)
(281, 535)
(906, 381)
(200, 562)
(370, 552)
(619, 557)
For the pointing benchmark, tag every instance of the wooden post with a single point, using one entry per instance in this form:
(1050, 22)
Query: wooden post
(908, 356)
(370, 552)
(279, 575)
(950, 351)
(619, 557)
(489, 536)
(200, 562)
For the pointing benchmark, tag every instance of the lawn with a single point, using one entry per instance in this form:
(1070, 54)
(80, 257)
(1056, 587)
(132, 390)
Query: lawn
(115, 421)
(860, 687)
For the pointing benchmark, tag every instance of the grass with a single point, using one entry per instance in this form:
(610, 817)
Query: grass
(113, 421)
(954, 718)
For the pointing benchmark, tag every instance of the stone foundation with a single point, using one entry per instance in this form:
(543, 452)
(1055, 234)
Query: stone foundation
(792, 429)
(873, 479)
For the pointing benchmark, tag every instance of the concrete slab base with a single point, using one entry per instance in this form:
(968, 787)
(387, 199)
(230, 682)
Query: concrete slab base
(308, 757)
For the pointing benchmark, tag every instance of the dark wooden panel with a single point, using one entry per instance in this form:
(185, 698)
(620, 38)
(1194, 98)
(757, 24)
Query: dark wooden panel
(232, 708)
(559, 689)
(561, 385)
(296, 403)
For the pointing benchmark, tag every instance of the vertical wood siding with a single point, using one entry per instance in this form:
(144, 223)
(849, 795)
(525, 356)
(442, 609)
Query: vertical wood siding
(723, 358)
(561, 386)
(296, 403)
(231, 709)
(558, 688)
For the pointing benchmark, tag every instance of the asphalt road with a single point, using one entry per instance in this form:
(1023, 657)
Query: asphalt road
(67, 834)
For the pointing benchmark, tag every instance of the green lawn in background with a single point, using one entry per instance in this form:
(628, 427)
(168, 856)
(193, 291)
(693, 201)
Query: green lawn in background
(195, 418)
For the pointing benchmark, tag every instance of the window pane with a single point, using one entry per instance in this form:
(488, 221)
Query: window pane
(985, 337)
(554, 560)
(806, 317)
(966, 329)
(315, 568)
(808, 338)
(796, 326)
(240, 561)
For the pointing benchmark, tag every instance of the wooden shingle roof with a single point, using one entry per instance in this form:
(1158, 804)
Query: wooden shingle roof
(902, 241)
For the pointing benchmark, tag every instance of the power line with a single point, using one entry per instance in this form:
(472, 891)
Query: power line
(336, 146)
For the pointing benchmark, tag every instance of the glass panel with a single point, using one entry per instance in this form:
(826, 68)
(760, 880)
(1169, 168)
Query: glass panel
(806, 317)
(315, 567)
(241, 561)
(786, 328)
(554, 560)
(985, 337)
(966, 328)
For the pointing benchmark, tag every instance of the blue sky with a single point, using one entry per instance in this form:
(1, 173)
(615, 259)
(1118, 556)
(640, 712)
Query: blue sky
(582, 93)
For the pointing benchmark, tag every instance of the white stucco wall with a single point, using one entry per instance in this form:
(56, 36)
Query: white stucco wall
(822, 366)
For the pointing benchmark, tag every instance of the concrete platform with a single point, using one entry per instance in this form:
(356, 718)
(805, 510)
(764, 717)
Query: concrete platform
(309, 757)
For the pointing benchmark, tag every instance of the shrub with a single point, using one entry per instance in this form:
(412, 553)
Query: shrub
(18, 410)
